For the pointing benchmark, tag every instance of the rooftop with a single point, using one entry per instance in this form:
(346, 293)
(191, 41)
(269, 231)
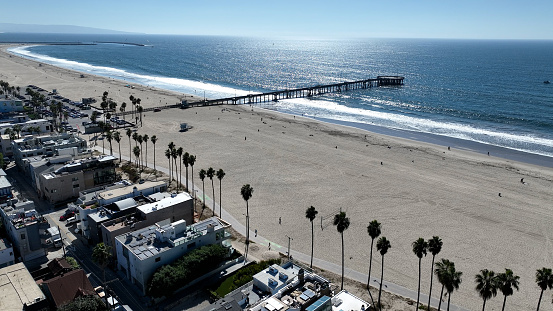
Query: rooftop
(17, 287)
(126, 189)
(166, 202)
(347, 301)
(150, 241)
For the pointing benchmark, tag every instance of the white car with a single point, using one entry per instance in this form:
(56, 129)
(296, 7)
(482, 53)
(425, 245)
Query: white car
(71, 220)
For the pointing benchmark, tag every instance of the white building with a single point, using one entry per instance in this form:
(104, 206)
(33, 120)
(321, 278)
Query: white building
(44, 145)
(345, 300)
(291, 288)
(142, 252)
(24, 227)
(6, 254)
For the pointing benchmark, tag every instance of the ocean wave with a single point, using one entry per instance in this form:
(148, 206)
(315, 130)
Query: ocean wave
(199, 88)
(329, 109)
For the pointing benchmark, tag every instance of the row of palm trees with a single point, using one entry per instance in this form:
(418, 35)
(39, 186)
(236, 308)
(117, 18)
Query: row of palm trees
(172, 153)
(5, 88)
(487, 282)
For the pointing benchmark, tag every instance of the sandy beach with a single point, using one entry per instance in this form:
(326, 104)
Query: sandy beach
(414, 189)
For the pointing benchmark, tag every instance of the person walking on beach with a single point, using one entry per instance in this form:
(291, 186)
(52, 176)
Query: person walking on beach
(280, 220)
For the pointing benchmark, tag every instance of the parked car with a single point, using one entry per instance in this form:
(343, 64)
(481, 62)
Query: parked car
(67, 215)
(71, 220)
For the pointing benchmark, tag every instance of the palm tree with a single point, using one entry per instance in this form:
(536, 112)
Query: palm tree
(145, 138)
(117, 137)
(210, 173)
(140, 140)
(109, 137)
(486, 285)
(122, 109)
(434, 247)
(342, 223)
(506, 282)
(168, 156)
(174, 155)
(140, 109)
(179, 153)
(135, 138)
(129, 133)
(153, 139)
(453, 282)
(220, 175)
(382, 245)
(136, 152)
(101, 254)
(441, 272)
(420, 246)
(374, 230)
(247, 191)
(544, 279)
(185, 162)
(202, 177)
(191, 161)
(311, 214)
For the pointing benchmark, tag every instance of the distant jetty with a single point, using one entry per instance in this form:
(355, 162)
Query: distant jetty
(76, 43)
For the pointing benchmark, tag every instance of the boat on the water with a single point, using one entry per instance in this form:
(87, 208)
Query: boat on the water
(546, 81)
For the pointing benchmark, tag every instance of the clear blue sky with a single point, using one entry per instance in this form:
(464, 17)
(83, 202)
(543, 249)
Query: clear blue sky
(475, 19)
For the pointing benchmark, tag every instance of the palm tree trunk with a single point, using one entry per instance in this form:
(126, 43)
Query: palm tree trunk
(154, 157)
(186, 187)
(220, 198)
(370, 265)
(431, 279)
(130, 152)
(312, 241)
(441, 295)
(484, 305)
(342, 286)
(448, 300)
(213, 187)
(539, 301)
(419, 288)
(504, 301)
(381, 280)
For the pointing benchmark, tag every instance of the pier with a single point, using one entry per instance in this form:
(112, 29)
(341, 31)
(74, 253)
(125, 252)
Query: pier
(303, 92)
(288, 94)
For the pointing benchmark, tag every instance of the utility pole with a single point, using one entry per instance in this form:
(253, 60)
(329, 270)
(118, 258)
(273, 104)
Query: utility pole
(289, 238)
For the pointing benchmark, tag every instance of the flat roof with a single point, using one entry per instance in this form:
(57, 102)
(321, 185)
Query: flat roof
(165, 202)
(121, 191)
(17, 287)
(4, 183)
(344, 300)
(143, 243)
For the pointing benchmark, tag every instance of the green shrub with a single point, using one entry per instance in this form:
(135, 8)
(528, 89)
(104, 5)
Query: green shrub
(192, 265)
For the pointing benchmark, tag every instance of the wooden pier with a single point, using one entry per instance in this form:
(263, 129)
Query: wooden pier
(302, 92)
(287, 94)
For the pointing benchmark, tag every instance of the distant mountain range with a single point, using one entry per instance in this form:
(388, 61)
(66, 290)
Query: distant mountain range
(70, 29)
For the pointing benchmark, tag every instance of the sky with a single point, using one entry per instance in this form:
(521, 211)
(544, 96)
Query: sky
(465, 19)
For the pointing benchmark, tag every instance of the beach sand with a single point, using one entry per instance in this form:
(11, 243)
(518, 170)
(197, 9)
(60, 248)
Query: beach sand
(414, 189)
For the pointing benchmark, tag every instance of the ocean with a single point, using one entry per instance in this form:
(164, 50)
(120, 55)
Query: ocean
(474, 94)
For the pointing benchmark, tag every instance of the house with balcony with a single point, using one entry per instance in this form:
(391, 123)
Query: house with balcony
(25, 228)
(64, 183)
(140, 253)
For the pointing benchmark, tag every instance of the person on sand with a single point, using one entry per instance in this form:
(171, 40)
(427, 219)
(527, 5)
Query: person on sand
(280, 220)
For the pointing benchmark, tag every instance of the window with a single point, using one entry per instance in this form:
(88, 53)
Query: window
(76, 186)
(23, 236)
(74, 179)
(158, 259)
